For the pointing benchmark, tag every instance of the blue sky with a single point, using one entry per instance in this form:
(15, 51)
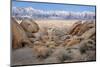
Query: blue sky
(52, 6)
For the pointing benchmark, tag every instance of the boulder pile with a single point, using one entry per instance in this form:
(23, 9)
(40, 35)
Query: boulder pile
(51, 45)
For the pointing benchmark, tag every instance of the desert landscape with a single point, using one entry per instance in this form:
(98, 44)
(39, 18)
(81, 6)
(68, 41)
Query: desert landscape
(48, 33)
(53, 41)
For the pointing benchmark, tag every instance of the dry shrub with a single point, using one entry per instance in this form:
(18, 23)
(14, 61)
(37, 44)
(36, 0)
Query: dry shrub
(82, 51)
(52, 60)
(50, 44)
(91, 55)
(61, 54)
(41, 51)
(74, 53)
(86, 45)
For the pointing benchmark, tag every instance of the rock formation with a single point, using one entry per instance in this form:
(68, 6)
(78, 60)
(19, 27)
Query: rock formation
(30, 27)
(19, 37)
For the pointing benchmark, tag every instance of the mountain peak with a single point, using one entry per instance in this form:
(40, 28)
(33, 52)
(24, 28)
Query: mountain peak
(30, 12)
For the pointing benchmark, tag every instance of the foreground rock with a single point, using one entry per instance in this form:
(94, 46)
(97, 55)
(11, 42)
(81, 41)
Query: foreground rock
(79, 28)
(29, 26)
(88, 34)
(19, 37)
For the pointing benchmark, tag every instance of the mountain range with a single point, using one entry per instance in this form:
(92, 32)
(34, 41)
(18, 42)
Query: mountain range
(30, 12)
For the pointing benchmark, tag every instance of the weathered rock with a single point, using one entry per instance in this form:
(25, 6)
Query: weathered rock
(79, 28)
(75, 28)
(38, 43)
(30, 35)
(89, 33)
(38, 36)
(30, 27)
(65, 37)
(93, 37)
(32, 40)
(85, 26)
(19, 38)
(44, 38)
(59, 32)
(71, 42)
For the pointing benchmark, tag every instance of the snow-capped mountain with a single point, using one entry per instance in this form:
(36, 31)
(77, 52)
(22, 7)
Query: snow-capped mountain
(29, 12)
